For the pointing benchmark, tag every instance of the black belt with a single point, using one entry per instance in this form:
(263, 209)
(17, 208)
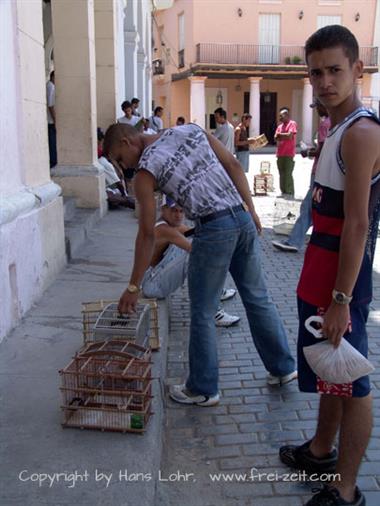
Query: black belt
(219, 214)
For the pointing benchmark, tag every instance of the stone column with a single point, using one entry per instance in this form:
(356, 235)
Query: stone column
(141, 64)
(131, 40)
(197, 100)
(254, 105)
(307, 113)
(105, 42)
(32, 243)
(148, 91)
(78, 172)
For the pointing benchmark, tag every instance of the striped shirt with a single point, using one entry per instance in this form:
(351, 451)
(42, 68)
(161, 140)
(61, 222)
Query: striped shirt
(320, 267)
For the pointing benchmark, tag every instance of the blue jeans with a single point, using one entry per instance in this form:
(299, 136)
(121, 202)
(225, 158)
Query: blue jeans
(168, 275)
(243, 157)
(297, 235)
(230, 243)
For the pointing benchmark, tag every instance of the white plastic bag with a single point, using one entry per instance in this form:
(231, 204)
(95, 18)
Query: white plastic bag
(334, 365)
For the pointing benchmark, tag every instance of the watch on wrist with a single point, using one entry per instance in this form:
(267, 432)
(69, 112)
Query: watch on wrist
(131, 288)
(341, 297)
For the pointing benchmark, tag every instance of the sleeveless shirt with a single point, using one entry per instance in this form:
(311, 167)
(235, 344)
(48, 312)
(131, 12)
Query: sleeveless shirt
(320, 267)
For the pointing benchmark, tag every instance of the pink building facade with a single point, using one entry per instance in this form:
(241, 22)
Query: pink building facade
(247, 56)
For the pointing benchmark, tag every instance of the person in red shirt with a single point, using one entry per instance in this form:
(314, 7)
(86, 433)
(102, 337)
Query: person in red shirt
(285, 136)
(296, 238)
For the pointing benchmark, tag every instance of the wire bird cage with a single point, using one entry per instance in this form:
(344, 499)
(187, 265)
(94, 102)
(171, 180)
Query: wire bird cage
(111, 324)
(108, 386)
(91, 312)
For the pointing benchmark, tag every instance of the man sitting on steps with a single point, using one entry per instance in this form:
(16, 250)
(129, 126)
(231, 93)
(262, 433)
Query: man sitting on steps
(168, 268)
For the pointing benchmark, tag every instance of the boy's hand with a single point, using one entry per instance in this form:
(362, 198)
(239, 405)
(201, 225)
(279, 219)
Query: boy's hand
(336, 322)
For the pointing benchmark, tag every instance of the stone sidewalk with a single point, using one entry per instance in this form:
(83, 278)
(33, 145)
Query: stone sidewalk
(244, 431)
(252, 420)
(32, 441)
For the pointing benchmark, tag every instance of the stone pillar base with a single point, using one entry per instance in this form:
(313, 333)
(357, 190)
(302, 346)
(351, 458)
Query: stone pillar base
(32, 249)
(85, 183)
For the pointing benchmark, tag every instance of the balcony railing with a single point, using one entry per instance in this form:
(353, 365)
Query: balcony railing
(249, 54)
(181, 58)
(158, 67)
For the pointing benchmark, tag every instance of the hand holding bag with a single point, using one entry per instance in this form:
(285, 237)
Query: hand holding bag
(343, 364)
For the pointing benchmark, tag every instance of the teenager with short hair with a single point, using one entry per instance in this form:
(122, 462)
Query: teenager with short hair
(168, 269)
(337, 271)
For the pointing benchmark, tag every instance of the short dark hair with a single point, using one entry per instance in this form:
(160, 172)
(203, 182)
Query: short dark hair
(158, 109)
(125, 105)
(52, 74)
(100, 134)
(221, 112)
(181, 120)
(246, 115)
(115, 133)
(135, 100)
(333, 36)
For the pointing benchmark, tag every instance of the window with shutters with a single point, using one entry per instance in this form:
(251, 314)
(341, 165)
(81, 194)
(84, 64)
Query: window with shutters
(269, 38)
(181, 40)
(328, 20)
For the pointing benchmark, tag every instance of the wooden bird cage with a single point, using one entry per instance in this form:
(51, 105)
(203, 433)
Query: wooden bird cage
(108, 386)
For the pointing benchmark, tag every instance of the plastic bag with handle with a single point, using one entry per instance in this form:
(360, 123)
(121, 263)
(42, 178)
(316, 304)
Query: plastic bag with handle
(334, 365)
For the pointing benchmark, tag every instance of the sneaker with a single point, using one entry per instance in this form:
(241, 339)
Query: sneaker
(281, 380)
(330, 496)
(300, 457)
(284, 246)
(179, 393)
(223, 319)
(227, 294)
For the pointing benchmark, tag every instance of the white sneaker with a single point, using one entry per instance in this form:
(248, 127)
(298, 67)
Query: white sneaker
(180, 394)
(227, 294)
(281, 380)
(284, 246)
(223, 319)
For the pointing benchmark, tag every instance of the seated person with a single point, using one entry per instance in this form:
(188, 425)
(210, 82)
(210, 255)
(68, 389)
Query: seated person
(117, 195)
(168, 269)
(147, 130)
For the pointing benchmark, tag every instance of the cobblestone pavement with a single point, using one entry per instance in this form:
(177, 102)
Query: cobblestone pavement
(252, 420)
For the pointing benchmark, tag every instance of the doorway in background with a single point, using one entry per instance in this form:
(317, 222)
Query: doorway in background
(268, 113)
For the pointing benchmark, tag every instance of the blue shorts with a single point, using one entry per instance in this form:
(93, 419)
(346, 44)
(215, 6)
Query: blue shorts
(307, 380)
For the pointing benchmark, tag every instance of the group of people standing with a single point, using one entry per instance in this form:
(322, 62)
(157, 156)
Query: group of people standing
(132, 117)
(236, 140)
(207, 182)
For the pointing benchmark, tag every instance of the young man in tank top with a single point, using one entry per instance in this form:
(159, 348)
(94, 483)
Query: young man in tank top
(206, 181)
(168, 267)
(336, 277)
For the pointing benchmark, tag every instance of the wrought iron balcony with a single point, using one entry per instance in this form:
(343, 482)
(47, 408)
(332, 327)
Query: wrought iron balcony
(181, 58)
(249, 54)
(158, 67)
